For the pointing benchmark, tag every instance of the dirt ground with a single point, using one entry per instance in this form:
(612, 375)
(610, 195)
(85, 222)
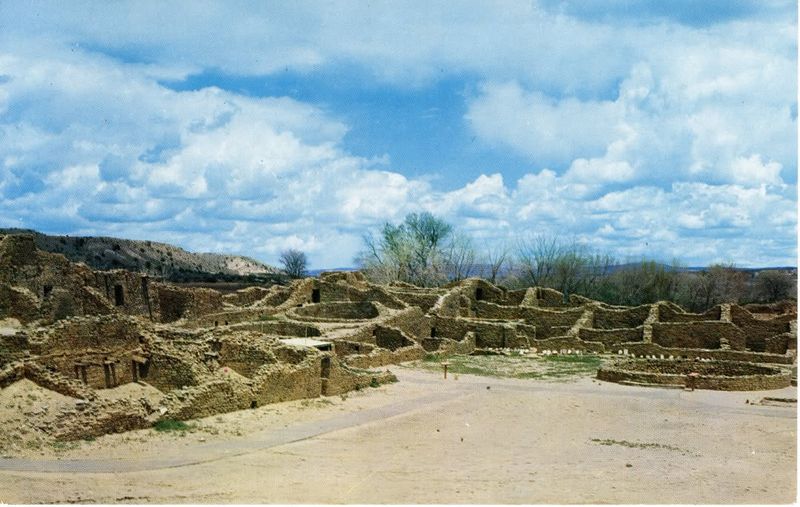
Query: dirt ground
(467, 439)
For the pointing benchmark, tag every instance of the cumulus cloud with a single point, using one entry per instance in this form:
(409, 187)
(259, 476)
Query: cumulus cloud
(643, 138)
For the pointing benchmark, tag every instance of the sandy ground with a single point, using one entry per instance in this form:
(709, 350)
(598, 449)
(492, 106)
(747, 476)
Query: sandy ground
(429, 440)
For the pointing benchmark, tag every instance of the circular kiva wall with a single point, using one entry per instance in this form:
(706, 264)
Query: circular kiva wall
(717, 375)
(335, 312)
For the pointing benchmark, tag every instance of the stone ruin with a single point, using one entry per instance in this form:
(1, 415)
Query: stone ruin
(107, 338)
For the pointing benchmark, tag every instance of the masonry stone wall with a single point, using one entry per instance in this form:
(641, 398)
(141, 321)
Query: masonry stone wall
(757, 331)
(604, 318)
(610, 337)
(698, 335)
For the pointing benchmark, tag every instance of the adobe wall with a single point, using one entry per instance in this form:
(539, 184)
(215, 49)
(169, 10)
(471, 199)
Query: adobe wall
(487, 334)
(230, 317)
(698, 335)
(668, 313)
(611, 337)
(605, 318)
(336, 311)
(18, 302)
(247, 296)
(175, 303)
(446, 346)
(341, 291)
(551, 323)
(344, 378)
(381, 357)
(411, 321)
(168, 368)
(452, 304)
(422, 300)
(757, 331)
(101, 418)
(245, 355)
(781, 343)
(725, 376)
(13, 347)
(277, 328)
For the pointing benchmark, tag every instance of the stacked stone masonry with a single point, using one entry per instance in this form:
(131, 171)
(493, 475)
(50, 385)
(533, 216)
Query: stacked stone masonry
(79, 332)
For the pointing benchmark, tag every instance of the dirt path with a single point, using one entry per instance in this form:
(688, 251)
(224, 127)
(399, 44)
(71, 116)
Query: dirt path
(426, 440)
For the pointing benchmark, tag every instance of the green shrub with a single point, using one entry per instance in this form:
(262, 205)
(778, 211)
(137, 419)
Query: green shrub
(170, 425)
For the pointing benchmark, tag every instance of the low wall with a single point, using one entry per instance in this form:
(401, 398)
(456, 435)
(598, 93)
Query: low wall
(719, 375)
(611, 337)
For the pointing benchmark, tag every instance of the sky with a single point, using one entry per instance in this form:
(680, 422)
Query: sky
(641, 128)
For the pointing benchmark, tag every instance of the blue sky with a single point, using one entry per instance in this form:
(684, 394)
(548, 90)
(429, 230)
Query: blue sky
(665, 129)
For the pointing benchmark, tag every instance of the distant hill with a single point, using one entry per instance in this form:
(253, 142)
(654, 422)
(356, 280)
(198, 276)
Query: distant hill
(157, 259)
(317, 272)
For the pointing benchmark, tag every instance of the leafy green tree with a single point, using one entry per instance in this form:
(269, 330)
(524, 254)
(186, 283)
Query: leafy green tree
(423, 250)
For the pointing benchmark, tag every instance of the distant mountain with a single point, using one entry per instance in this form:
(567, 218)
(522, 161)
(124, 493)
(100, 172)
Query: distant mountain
(157, 259)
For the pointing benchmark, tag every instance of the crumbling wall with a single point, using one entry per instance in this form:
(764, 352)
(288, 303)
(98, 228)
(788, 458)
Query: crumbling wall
(244, 354)
(336, 311)
(282, 382)
(19, 303)
(344, 348)
(391, 338)
(101, 417)
(278, 328)
(57, 382)
(343, 378)
(411, 321)
(381, 356)
(549, 297)
(248, 296)
(780, 343)
(487, 334)
(175, 303)
(451, 304)
(13, 347)
(550, 323)
(422, 300)
(724, 375)
(757, 331)
(667, 313)
(446, 346)
(168, 368)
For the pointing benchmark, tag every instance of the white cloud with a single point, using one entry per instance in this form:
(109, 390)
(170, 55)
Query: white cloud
(753, 171)
(545, 129)
(656, 139)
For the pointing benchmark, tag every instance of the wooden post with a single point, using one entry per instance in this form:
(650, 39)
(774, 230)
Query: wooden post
(445, 365)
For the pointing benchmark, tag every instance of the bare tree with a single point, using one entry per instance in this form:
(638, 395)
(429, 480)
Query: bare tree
(537, 259)
(495, 257)
(719, 283)
(774, 285)
(642, 282)
(569, 267)
(294, 262)
(460, 258)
